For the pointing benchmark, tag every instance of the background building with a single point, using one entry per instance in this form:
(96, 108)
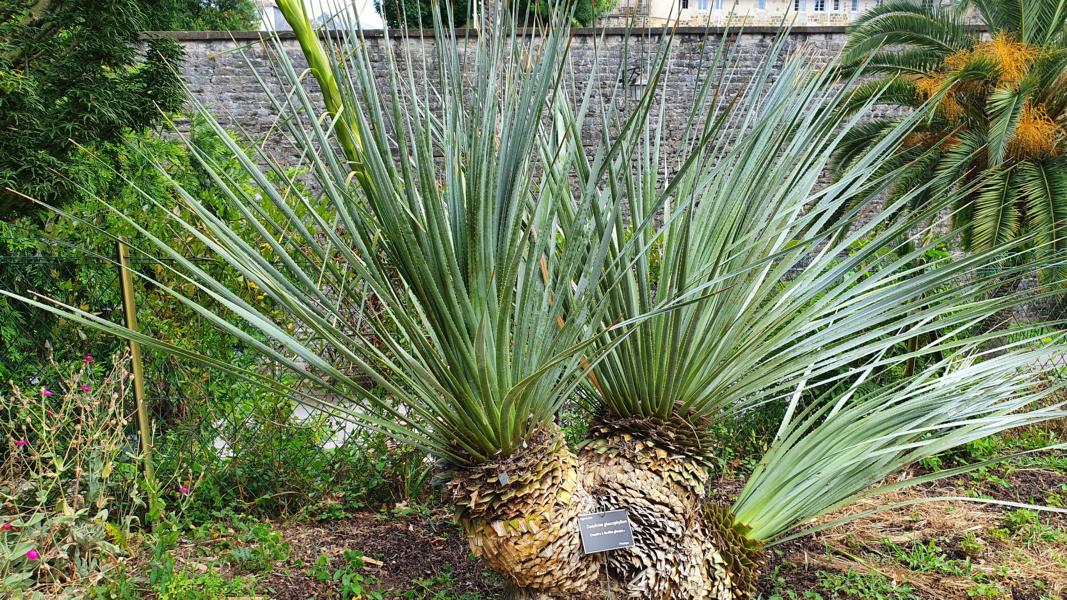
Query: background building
(740, 12)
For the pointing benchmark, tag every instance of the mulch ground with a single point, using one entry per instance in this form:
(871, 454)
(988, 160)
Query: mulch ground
(401, 549)
(404, 549)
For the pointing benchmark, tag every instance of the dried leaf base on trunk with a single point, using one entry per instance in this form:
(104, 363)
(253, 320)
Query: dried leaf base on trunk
(683, 548)
(672, 556)
(743, 555)
(521, 516)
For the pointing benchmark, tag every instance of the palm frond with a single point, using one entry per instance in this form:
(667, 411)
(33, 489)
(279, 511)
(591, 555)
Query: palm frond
(922, 26)
(907, 61)
(1037, 22)
(855, 142)
(1001, 15)
(996, 211)
(1004, 107)
(888, 90)
(1044, 186)
(961, 157)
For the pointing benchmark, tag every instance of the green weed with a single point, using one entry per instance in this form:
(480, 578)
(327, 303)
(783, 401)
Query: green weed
(864, 586)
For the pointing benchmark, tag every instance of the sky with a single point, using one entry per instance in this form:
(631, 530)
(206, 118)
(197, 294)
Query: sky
(368, 16)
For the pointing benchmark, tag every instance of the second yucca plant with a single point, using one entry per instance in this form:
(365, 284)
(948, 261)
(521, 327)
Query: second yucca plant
(764, 294)
(466, 266)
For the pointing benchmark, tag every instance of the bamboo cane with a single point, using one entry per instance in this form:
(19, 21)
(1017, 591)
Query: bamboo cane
(129, 307)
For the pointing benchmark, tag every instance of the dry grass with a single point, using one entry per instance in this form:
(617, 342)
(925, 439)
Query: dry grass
(861, 546)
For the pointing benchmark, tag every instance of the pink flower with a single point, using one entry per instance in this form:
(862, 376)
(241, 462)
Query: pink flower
(47, 393)
(183, 489)
(50, 413)
(88, 358)
(6, 527)
(86, 388)
(21, 443)
(33, 554)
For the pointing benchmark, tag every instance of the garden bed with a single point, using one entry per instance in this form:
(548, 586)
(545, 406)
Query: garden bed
(941, 550)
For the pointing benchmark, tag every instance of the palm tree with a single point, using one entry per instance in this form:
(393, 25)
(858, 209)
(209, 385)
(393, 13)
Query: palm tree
(996, 105)
(501, 277)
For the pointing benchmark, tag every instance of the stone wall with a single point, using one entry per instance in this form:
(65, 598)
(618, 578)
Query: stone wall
(221, 68)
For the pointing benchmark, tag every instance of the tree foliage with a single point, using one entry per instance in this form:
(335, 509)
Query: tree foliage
(997, 110)
(202, 15)
(584, 12)
(418, 14)
(79, 72)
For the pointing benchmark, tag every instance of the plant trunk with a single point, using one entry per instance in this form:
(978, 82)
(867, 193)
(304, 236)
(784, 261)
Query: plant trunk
(683, 548)
(521, 516)
(671, 556)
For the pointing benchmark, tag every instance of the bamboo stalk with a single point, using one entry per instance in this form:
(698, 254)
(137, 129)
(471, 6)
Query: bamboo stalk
(129, 308)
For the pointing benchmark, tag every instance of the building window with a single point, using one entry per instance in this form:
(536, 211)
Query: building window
(800, 5)
(820, 6)
(718, 4)
(855, 5)
(685, 4)
(837, 5)
(703, 5)
(761, 4)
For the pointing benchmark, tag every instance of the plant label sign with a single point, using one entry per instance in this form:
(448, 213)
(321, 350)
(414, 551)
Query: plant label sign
(605, 531)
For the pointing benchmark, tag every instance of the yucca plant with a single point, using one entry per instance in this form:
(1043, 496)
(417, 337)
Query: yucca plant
(997, 109)
(480, 274)
(770, 296)
(498, 275)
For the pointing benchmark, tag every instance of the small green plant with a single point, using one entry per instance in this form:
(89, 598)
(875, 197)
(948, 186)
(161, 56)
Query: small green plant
(1026, 526)
(439, 587)
(209, 585)
(972, 545)
(1058, 498)
(261, 546)
(987, 474)
(931, 463)
(350, 581)
(984, 448)
(868, 586)
(1019, 520)
(320, 569)
(984, 590)
(927, 558)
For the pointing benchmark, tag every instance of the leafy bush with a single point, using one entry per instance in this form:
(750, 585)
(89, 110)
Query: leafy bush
(68, 259)
(75, 70)
(205, 15)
